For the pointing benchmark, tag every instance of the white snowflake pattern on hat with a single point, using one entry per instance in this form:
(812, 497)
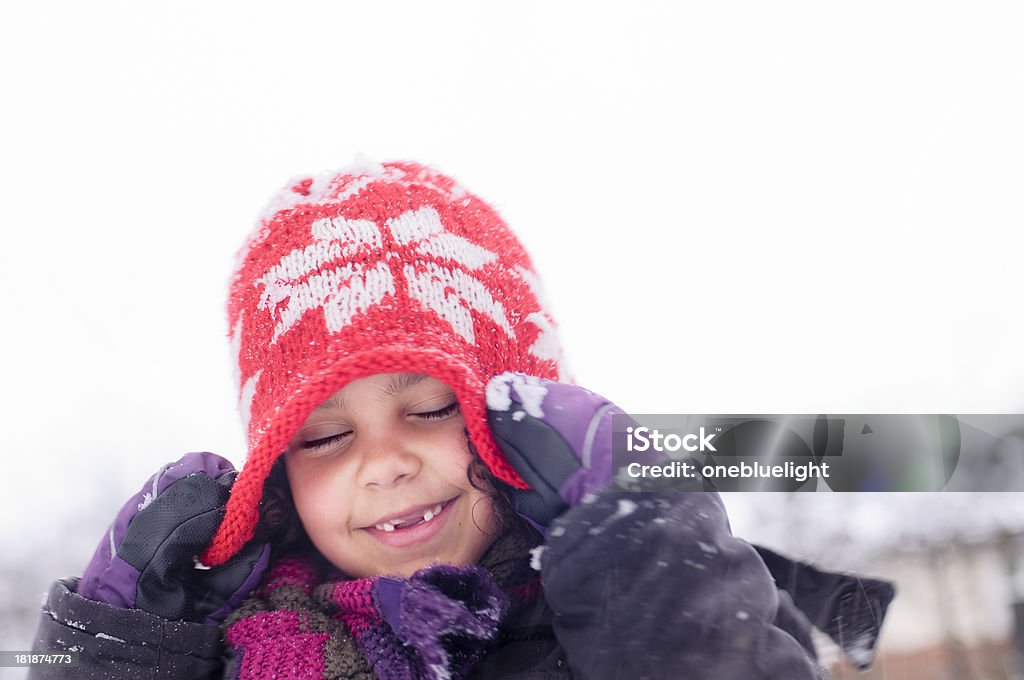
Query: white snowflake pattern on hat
(450, 291)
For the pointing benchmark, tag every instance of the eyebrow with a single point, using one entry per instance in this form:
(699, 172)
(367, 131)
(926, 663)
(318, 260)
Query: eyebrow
(403, 381)
(398, 383)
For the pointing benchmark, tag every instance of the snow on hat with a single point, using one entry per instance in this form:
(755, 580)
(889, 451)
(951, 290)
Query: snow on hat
(381, 268)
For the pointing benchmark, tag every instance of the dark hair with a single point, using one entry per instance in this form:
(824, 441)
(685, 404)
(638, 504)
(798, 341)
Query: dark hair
(279, 523)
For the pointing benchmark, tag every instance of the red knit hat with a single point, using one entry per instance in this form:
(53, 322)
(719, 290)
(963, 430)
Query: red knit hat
(377, 269)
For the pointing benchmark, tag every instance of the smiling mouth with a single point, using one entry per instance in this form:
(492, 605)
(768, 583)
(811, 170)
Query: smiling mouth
(419, 518)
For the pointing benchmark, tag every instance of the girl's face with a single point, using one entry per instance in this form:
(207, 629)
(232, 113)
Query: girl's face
(379, 477)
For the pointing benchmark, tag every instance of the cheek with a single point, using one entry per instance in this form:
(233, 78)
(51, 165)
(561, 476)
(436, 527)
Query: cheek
(451, 455)
(455, 460)
(316, 496)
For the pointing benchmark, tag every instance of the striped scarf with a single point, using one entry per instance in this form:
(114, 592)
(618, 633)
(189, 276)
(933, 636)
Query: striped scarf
(306, 620)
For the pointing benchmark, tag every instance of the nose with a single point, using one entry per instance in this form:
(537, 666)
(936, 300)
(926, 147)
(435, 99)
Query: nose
(385, 461)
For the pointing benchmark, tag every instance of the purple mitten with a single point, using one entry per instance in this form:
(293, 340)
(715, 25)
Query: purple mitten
(434, 625)
(447, 614)
(147, 559)
(558, 437)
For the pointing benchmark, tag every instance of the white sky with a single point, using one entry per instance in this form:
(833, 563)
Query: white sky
(736, 207)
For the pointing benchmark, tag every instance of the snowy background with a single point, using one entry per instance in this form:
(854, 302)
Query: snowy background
(736, 208)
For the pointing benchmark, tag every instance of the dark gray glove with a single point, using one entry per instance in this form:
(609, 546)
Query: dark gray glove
(147, 560)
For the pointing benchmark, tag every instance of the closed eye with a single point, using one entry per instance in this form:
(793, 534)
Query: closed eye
(314, 445)
(441, 413)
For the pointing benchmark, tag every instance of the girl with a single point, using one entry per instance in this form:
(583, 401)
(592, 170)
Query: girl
(422, 498)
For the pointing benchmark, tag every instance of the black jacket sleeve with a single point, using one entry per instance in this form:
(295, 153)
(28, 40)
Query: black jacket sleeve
(654, 585)
(119, 643)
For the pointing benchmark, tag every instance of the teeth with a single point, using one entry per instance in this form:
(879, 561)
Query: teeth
(430, 514)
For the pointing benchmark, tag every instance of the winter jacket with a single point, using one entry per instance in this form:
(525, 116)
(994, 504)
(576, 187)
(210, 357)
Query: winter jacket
(645, 585)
